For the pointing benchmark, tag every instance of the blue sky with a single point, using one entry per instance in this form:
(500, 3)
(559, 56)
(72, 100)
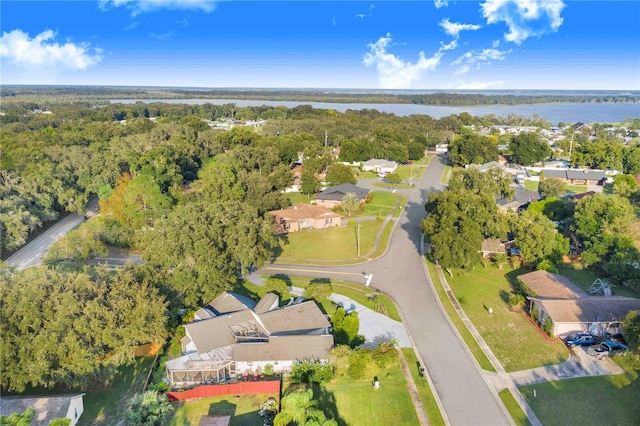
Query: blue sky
(490, 44)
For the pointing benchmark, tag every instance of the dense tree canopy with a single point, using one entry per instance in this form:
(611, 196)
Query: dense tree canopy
(528, 148)
(472, 149)
(73, 328)
(203, 247)
(538, 238)
(551, 188)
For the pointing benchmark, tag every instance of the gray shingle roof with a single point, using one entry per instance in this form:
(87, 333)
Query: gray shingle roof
(335, 193)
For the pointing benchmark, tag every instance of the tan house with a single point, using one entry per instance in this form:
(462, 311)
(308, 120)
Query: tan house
(236, 337)
(573, 310)
(304, 216)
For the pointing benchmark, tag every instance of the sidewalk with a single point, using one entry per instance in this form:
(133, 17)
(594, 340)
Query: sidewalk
(501, 379)
(579, 364)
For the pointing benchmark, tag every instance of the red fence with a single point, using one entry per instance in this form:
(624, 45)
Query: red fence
(241, 388)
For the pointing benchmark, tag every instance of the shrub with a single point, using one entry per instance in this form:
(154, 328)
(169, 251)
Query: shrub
(359, 364)
(548, 326)
(268, 370)
(277, 286)
(385, 355)
(516, 301)
(311, 372)
(339, 359)
(318, 292)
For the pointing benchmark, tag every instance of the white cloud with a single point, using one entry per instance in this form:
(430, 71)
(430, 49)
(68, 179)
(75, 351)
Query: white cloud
(454, 28)
(334, 21)
(393, 72)
(440, 3)
(525, 18)
(143, 6)
(480, 85)
(362, 15)
(162, 36)
(478, 58)
(43, 51)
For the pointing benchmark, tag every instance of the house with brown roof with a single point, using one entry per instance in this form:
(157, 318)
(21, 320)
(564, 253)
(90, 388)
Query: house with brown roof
(241, 337)
(576, 176)
(571, 309)
(304, 216)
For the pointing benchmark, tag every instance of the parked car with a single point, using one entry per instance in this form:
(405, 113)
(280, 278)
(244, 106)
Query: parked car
(580, 339)
(606, 348)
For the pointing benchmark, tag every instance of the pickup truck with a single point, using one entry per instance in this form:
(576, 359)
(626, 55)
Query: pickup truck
(580, 339)
(606, 348)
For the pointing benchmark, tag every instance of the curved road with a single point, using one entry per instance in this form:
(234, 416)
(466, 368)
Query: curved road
(466, 395)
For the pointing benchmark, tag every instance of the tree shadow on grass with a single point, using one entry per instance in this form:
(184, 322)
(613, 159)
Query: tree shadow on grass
(222, 408)
(327, 403)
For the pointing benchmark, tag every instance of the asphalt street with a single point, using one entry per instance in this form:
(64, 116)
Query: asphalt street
(465, 394)
(32, 253)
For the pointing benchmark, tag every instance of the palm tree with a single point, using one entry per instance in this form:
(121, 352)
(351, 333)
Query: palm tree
(300, 409)
(350, 202)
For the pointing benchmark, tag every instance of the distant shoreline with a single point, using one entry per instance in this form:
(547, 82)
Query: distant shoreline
(340, 96)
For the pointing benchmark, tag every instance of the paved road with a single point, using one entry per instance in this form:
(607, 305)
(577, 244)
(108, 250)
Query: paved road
(467, 397)
(32, 253)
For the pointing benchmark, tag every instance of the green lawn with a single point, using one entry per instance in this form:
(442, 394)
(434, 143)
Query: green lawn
(471, 343)
(106, 406)
(367, 175)
(516, 343)
(297, 198)
(446, 173)
(355, 402)
(583, 278)
(410, 171)
(605, 399)
(243, 408)
(426, 394)
(338, 243)
(381, 204)
(514, 409)
(532, 185)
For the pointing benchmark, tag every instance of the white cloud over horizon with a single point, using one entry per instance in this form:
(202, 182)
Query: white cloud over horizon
(42, 51)
(362, 15)
(477, 58)
(524, 18)
(144, 6)
(393, 72)
(454, 28)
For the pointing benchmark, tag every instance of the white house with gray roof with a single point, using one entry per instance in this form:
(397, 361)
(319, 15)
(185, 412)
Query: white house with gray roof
(233, 336)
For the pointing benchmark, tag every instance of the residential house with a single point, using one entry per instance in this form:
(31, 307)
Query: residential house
(580, 196)
(304, 216)
(379, 166)
(241, 337)
(576, 176)
(332, 196)
(492, 246)
(442, 148)
(47, 408)
(573, 310)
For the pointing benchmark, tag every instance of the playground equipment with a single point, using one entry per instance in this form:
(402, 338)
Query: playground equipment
(600, 287)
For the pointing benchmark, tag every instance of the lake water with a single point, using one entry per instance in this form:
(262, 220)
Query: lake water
(553, 112)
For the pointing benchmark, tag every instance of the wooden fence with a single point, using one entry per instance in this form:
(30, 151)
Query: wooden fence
(241, 388)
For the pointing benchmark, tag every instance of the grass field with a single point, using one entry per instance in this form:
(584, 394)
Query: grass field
(426, 394)
(583, 278)
(392, 186)
(338, 243)
(446, 173)
(532, 185)
(355, 402)
(509, 401)
(243, 408)
(381, 204)
(516, 343)
(471, 343)
(106, 406)
(609, 399)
